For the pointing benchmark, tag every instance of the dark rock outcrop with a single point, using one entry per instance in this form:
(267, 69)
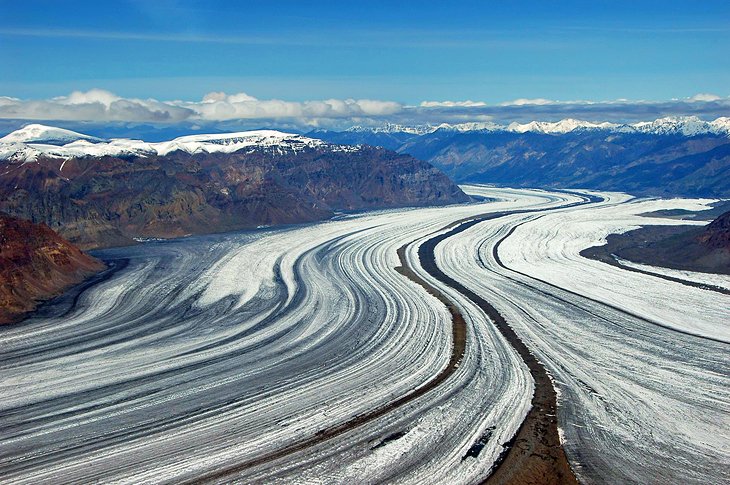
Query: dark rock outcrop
(716, 236)
(705, 249)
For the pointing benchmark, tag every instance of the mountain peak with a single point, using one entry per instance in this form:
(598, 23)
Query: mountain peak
(560, 127)
(684, 125)
(33, 141)
(670, 125)
(48, 135)
(395, 128)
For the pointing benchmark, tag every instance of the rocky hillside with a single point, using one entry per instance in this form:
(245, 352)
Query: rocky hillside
(716, 236)
(705, 249)
(668, 157)
(107, 193)
(35, 264)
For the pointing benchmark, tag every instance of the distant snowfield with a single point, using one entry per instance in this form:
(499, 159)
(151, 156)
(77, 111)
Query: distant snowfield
(208, 352)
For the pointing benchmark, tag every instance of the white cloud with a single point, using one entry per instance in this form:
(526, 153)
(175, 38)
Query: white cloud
(217, 96)
(452, 104)
(92, 96)
(705, 97)
(242, 109)
(100, 105)
(218, 106)
(527, 101)
(93, 105)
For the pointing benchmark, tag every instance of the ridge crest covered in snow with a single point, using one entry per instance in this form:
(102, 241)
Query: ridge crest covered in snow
(33, 141)
(36, 140)
(48, 135)
(671, 125)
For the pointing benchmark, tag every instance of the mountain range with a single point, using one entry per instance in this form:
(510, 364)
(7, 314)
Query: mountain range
(683, 125)
(675, 156)
(98, 193)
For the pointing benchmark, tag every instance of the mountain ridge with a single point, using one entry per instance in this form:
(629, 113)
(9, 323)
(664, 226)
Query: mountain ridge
(687, 248)
(684, 125)
(44, 134)
(109, 193)
(22, 145)
(678, 156)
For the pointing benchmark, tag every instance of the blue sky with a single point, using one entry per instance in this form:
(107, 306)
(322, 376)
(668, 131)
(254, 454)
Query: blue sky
(407, 53)
(490, 51)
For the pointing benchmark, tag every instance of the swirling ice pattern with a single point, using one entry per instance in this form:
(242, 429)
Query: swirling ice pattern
(641, 363)
(200, 354)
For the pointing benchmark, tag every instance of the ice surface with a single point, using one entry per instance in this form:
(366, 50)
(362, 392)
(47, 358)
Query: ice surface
(208, 352)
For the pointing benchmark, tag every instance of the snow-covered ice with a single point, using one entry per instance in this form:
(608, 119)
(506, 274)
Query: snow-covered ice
(208, 352)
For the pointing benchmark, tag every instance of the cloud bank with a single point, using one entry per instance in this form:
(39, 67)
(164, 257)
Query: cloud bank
(452, 104)
(100, 105)
(241, 109)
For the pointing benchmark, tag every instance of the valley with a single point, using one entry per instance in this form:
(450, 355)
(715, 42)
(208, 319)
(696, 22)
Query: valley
(282, 354)
(408, 243)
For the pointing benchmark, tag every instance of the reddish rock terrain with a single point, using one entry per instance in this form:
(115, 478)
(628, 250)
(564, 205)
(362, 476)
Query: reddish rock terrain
(717, 234)
(36, 264)
(108, 201)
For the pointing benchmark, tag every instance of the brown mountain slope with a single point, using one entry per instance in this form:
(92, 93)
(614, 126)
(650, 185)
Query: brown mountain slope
(36, 264)
(107, 201)
(705, 249)
(716, 235)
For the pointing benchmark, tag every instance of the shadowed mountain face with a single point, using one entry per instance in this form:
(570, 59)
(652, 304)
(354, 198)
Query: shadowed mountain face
(680, 247)
(35, 264)
(97, 201)
(716, 235)
(640, 163)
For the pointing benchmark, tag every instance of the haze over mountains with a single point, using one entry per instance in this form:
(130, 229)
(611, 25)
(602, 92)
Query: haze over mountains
(666, 157)
(106, 193)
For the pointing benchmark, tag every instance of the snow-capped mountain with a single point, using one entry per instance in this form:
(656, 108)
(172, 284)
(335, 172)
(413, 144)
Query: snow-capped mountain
(228, 142)
(680, 125)
(673, 125)
(721, 125)
(48, 135)
(559, 127)
(669, 156)
(428, 128)
(35, 140)
(394, 128)
(22, 145)
(110, 192)
(472, 126)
